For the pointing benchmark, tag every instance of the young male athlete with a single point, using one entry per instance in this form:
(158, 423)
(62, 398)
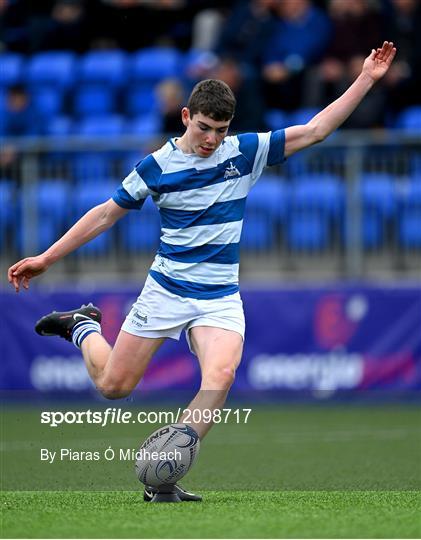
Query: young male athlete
(199, 182)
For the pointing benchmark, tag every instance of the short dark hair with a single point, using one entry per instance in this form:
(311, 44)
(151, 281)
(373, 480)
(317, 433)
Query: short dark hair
(213, 98)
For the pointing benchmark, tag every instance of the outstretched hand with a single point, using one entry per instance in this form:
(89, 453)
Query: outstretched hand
(24, 270)
(379, 61)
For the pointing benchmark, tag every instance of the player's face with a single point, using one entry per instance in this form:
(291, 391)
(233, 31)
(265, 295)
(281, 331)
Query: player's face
(203, 134)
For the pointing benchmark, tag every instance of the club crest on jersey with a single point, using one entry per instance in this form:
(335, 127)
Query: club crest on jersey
(231, 171)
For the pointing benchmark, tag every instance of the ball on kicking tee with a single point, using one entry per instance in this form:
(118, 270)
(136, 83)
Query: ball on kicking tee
(167, 455)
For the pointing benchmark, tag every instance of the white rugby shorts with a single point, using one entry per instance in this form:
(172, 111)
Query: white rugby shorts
(159, 313)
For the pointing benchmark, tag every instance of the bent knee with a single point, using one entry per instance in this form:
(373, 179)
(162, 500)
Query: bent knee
(219, 379)
(113, 390)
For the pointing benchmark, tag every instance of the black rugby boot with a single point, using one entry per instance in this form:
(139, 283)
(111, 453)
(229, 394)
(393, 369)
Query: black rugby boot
(61, 323)
(184, 495)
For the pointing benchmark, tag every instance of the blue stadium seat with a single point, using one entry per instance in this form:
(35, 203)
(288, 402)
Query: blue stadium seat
(270, 195)
(276, 119)
(410, 229)
(415, 165)
(410, 119)
(131, 159)
(378, 190)
(316, 209)
(12, 68)
(302, 116)
(265, 211)
(3, 112)
(85, 198)
(308, 232)
(103, 125)
(257, 234)
(47, 100)
(298, 164)
(378, 199)
(55, 68)
(196, 61)
(8, 214)
(146, 124)
(321, 191)
(410, 216)
(141, 99)
(93, 100)
(153, 64)
(140, 231)
(52, 198)
(108, 67)
(59, 126)
(92, 167)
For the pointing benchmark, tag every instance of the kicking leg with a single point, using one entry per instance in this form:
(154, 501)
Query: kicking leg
(219, 352)
(115, 371)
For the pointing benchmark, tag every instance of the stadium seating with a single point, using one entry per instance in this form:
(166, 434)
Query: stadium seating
(52, 197)
(196, 61)
(265, 212)
(47, 101)
(8, 213)
(410, 215)
(59, 126)
(12, 69)
(146, 125)
(103, 83)
(315, 212)
(318, 190)
(154, 64)
(56, 68)
(94, 166)
(109, 67)
(130, 160)
(141, 100)
(101, 125)
(302, 116)
(140, 231)
(258, 233)
(85, 198)
(277, 119)
(93, 100)
(308, 232)
(410, 119)
(378, 201)
(270, 195)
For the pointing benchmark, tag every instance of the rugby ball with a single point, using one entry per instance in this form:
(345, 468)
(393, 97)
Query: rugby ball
(167, 455)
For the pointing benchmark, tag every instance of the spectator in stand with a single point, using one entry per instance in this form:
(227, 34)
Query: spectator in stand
(67, 28)
(14, 34)
(19, 120)
(402, 21)
(356, 28)
(299, 38)
(249, 111)
(237, 56)
(171, 100)
(244, 35)
(134, 24)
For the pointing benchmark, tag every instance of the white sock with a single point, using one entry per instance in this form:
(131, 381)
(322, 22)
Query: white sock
(83, 329)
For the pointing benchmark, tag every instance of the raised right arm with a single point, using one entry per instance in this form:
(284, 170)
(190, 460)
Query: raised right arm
(97, 220)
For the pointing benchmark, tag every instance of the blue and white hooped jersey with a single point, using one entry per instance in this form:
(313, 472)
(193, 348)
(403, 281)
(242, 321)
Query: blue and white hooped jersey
(201, 202)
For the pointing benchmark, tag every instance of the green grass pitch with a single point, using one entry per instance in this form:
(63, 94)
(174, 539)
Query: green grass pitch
(290, 472)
